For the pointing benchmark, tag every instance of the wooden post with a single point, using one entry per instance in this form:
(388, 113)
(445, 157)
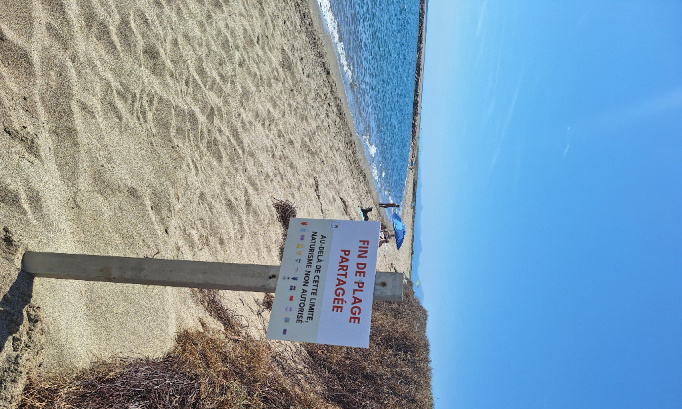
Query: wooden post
(178, 273)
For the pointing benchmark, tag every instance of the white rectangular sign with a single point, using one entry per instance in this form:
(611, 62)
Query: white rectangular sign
(325, 287)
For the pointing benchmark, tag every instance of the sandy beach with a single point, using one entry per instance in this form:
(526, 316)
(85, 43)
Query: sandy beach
(160, 129)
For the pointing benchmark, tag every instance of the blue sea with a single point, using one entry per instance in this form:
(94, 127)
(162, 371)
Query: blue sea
(376, 48)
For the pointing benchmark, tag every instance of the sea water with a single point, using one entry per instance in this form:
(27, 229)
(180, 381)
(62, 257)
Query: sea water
(376, 48)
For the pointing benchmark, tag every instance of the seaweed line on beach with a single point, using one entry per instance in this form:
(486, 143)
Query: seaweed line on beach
(285, 211)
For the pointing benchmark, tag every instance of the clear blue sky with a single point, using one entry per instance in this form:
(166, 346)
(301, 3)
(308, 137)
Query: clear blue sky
(549, 212)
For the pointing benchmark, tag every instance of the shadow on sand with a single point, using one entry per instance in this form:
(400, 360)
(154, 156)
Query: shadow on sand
(12, 306)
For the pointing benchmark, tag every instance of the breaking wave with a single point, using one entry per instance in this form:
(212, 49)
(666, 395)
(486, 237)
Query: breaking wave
(333, 27)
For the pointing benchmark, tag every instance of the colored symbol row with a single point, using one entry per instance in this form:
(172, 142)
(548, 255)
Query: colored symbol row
(293, 287)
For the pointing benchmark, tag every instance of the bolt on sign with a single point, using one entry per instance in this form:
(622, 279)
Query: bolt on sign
(326, 282)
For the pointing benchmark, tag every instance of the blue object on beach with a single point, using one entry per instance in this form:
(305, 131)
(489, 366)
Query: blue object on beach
(399, 228)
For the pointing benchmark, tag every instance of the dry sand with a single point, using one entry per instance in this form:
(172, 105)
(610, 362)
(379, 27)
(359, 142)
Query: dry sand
(163, 129)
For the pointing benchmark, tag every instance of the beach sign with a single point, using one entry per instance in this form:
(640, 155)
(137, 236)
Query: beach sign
(325, 286)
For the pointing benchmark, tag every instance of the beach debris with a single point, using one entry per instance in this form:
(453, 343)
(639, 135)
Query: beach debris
(285, 211)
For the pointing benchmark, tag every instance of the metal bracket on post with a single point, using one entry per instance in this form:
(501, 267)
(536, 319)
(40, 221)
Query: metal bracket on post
(178, 273)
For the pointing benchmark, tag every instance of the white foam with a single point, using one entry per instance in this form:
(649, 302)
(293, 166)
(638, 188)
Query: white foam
(371, 149)
(333, 26)
(375, 174)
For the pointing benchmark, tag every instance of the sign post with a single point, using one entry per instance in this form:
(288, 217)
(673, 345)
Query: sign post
(325, 287)
(388, 286)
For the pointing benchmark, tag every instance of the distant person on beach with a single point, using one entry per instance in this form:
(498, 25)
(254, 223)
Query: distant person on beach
(384, 238)
(385, 205)
(365, 213)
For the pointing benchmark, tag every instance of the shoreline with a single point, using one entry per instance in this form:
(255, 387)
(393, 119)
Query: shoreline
(395, 260)
(410, 188)
(332, 65)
